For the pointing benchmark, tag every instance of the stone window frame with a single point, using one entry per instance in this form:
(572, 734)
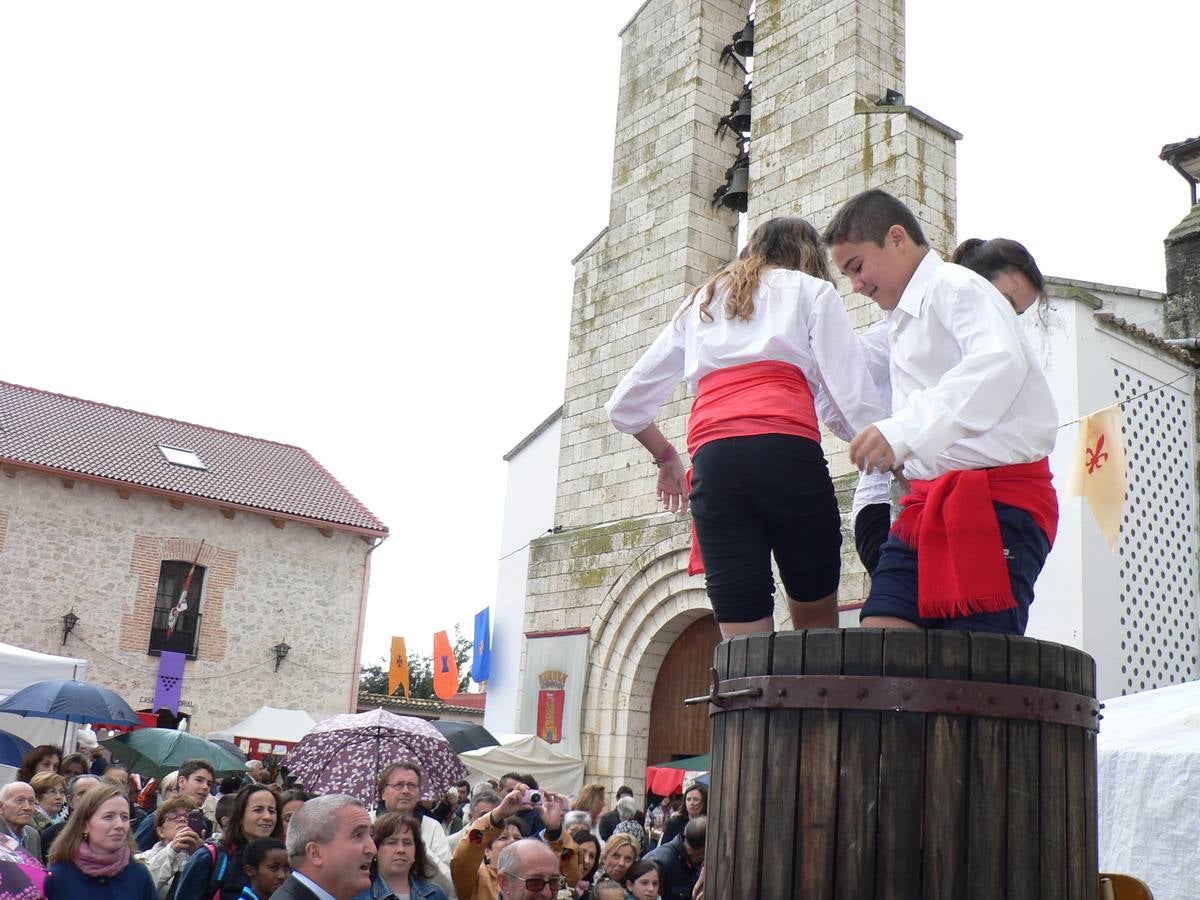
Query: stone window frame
(146, 559)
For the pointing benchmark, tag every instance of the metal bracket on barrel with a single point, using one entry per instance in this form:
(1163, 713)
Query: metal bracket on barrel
(893, 694)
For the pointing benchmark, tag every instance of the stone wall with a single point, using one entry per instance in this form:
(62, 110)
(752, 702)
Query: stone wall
(664, 239)
(87, 549)
(1183, 277)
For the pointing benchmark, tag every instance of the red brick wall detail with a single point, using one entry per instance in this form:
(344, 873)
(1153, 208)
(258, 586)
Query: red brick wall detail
(149, 553)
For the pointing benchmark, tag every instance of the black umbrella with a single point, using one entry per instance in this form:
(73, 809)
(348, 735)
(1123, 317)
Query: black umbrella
(464, 736)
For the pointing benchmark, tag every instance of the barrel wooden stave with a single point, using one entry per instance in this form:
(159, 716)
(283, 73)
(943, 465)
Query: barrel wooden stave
(858, 803)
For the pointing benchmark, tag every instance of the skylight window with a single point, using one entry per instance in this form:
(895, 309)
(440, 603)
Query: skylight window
(178, 456)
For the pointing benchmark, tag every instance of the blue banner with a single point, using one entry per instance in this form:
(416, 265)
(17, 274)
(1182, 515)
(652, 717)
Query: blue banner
(481, 664)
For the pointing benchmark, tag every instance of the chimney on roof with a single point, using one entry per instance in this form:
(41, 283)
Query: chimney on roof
(1183, 247)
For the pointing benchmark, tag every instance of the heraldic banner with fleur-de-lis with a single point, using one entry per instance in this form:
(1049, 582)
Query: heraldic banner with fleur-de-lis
(1097, 469)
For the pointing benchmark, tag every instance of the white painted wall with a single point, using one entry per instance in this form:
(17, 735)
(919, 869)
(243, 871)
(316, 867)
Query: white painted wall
(528, 513)
(1079, 594)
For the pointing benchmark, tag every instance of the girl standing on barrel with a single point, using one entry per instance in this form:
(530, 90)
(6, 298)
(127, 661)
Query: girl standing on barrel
(765, 345)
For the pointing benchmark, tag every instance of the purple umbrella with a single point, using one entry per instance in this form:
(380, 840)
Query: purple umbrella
(345, 754)
(21, 876)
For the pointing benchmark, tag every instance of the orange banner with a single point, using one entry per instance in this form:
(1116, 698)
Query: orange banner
(445, 667)
(398, 672)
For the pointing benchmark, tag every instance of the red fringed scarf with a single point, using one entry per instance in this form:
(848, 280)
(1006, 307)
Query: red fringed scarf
(952, 524)
(758, 398)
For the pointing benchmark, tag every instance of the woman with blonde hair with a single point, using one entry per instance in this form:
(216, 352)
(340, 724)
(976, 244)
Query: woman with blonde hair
(92, 858)
(618, 857)
(767, 347)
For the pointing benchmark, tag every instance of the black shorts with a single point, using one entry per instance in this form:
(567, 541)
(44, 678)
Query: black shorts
(871, 527)
(758, 495)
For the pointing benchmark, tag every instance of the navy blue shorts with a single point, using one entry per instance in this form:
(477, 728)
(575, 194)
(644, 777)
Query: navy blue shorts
(757, 495)
(894, 582)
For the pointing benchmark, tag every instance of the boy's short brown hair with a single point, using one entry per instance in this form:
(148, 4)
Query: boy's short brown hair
(868, 217)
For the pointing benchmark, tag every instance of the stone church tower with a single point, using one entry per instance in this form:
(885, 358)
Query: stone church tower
(821, 132)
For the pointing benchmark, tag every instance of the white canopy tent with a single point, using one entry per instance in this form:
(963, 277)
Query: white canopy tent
(1149, 789)
(20, 668)
(269, 723)
(529, 755)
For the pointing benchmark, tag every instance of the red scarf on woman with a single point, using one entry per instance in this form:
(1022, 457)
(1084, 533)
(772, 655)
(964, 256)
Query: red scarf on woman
(101, 863)
(951, 522)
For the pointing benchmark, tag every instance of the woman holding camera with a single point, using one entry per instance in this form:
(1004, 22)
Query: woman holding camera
(176, 843)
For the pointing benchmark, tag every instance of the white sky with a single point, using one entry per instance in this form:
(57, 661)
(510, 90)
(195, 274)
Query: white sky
(348, 226)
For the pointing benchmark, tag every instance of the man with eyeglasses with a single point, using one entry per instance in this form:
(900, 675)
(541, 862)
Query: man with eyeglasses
(528, 870)
(400, 787)
(17, 802)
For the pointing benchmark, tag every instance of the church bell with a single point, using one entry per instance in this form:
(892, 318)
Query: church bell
(737, 191)
(739, 121)
(743, 41)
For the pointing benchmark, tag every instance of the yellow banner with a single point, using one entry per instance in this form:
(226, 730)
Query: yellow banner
(1097, 470)
(398, 673)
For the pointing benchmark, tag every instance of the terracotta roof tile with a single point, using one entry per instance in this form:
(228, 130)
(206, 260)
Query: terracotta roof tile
(108, 442)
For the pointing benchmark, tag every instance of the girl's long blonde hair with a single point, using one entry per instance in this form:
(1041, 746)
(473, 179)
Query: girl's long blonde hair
(787, 242)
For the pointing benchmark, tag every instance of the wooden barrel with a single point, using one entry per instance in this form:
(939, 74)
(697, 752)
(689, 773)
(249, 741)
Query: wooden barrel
(912, 765)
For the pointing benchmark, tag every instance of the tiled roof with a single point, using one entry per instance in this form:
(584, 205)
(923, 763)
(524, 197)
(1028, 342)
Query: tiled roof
(69, 435)
(1146, 337)
(418, 706)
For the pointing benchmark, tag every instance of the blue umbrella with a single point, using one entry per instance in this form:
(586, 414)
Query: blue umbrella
(75, 701)
(13, 749)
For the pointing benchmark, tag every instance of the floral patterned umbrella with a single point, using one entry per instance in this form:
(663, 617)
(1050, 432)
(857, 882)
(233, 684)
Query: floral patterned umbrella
(345, 754)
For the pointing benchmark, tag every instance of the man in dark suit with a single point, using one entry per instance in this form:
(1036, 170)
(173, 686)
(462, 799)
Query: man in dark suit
(330, 848)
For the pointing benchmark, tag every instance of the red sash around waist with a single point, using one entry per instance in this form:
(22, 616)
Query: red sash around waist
(952, 524)
(767, 397)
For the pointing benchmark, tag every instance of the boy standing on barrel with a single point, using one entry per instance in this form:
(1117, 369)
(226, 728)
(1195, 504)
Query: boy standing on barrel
(972, 423)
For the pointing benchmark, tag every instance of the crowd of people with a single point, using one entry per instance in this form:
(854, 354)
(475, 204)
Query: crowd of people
(103, 833)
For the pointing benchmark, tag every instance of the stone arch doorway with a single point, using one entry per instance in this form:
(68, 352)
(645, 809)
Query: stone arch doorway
(677, 731)
(632, 633)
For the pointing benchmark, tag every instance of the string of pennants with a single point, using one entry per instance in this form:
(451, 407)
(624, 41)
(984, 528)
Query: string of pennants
(445, 666)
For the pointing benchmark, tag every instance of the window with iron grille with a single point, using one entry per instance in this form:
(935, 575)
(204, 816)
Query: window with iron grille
(183, 638)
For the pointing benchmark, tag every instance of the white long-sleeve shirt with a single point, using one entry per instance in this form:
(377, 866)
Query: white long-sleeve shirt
(797, 319)
(967, 389)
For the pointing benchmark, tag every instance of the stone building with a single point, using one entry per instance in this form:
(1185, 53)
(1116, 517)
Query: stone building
(608, 581)
(103, 512)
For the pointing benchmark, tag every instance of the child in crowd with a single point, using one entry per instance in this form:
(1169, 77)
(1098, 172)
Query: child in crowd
(266, 863)
(971, 425)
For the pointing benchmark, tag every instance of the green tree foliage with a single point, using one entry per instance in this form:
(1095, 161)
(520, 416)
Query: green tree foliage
(373, 678)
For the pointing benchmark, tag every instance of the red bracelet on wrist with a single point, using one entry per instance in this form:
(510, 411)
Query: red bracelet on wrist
(668, 455)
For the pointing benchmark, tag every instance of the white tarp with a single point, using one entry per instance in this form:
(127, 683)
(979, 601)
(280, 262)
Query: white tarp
(1149, 789)
(20, 668)
(269, 723)
(529, 755)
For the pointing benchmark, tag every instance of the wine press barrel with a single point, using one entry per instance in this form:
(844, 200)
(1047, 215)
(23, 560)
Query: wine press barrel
(913, 765)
